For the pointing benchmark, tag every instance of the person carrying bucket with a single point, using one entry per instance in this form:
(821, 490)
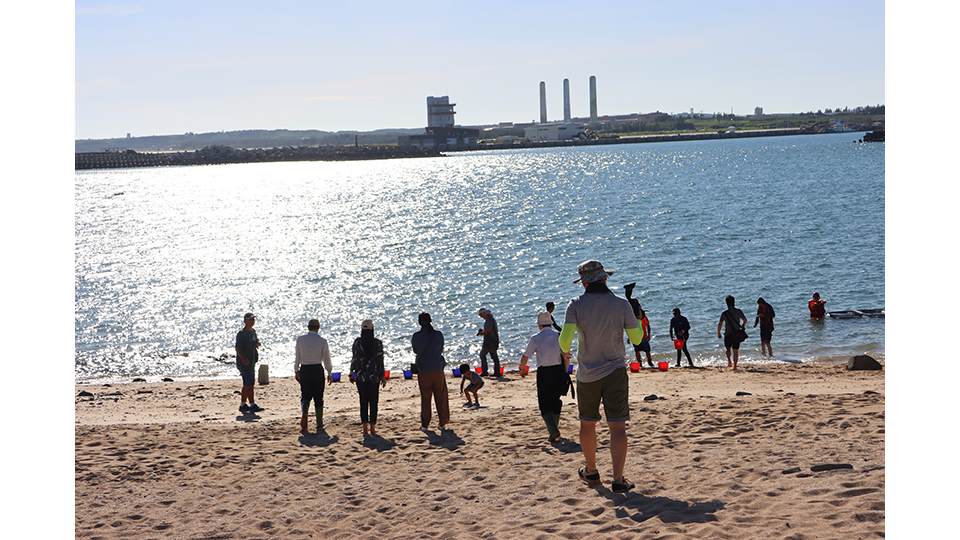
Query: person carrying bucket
(641, 315)
(680, 333)
(367, 365)
(552, 378)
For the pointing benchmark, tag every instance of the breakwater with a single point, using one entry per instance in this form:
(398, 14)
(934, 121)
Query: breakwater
(224, 154)
(634, 139)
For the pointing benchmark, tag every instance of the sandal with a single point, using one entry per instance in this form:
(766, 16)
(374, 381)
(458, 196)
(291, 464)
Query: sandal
(621, 487)
(591, 479)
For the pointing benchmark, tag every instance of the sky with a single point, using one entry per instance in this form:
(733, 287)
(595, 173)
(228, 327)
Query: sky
(170, 67)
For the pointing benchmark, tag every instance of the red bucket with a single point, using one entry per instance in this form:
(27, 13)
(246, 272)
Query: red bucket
(678, 344)
(502, 370)
(524, 369)
(634, 367)
(663, 366)
(386, 374)
(479, 370)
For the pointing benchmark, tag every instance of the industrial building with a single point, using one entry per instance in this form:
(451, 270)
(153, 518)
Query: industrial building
(558, 131)
(441, 132)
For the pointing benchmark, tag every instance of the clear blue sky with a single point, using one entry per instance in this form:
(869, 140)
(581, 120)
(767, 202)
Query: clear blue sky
(171, 66)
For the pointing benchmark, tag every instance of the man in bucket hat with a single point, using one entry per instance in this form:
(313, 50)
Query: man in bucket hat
(600, 318)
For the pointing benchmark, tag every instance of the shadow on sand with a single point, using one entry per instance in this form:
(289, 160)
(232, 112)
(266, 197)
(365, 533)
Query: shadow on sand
(320, 438)
(446, 439)
(564, 446)
(641, 507)
(378, 443)
(248, 417)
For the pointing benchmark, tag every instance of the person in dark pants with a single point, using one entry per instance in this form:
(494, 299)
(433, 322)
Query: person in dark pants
(427, 345)
(765, 315)
(680, 329)
(550, 307)
(641, 315)
(312, 356)
(552, 378)
(491, 342)
(247, 357)
(733, 322)
(367, 367)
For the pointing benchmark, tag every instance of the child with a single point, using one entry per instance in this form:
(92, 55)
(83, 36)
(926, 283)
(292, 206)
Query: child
(476, 383)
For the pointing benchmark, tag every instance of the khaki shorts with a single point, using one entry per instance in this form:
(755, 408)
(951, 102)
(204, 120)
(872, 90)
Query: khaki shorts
(613, 390)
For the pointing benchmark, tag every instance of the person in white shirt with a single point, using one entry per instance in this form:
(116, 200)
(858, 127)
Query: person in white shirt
(552, 379)
(312, 357)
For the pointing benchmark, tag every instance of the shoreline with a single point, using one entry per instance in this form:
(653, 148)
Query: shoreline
(130, 159)
(179, 460)
(510, 367)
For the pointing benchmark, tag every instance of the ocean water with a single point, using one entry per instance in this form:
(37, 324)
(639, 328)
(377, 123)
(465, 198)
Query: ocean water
(168, 259)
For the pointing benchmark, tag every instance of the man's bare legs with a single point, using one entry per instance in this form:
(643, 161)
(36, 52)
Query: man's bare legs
(588, 444)
(618, 446)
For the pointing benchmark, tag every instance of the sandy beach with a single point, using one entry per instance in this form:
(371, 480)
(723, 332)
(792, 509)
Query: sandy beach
(176, 459)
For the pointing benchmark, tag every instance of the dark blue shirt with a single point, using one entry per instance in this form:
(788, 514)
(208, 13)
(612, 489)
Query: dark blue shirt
(428, 347)
(247, 345)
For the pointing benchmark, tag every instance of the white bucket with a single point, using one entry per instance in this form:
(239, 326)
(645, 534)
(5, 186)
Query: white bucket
(263, 375)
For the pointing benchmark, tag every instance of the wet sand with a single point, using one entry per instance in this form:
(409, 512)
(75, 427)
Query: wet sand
(178, 460)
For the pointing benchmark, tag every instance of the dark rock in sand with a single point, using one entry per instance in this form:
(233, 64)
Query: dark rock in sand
(791, 470)
(167, 379)
(138, 379)
(84, 393)
(742, 393)
(651, 397)
(830, 467)
(871, 393)
(863, 362)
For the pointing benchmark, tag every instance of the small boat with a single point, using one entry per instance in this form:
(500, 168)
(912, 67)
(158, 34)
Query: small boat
(877, 313)
(846, 314)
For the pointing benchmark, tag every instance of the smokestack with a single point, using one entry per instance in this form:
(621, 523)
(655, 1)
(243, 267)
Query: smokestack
(593, 98)
(543, 102)
(566, 100)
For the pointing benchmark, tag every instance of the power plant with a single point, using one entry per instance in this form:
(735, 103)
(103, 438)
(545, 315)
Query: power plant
(566, 100)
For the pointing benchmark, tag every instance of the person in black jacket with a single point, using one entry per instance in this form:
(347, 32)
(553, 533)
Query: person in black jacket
(367, 367)
(680, 329)
(765, 315)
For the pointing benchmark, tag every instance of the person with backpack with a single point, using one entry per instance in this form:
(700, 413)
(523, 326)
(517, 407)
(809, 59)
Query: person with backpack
(367, 368)
(733, 322)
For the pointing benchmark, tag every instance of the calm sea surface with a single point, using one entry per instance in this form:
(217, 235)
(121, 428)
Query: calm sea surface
(169, 259)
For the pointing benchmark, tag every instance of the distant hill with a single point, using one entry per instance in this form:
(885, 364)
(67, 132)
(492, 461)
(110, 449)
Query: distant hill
(254, 138)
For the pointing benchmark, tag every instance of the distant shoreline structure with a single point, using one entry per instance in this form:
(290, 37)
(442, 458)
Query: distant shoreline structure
(217, 155)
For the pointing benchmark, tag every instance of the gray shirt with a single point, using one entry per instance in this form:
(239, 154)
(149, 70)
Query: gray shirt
(491, 334)
(601, 319)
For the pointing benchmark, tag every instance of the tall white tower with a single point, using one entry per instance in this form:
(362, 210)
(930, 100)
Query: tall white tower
(593, 98)
(566, 100)
(543, 102)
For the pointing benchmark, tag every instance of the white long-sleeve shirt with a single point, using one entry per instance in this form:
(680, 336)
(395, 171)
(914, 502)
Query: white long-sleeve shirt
(312, 349)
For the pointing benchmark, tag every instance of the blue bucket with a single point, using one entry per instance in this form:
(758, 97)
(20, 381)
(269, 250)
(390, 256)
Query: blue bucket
(456, 372)
(335, 376)
(407, 374)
